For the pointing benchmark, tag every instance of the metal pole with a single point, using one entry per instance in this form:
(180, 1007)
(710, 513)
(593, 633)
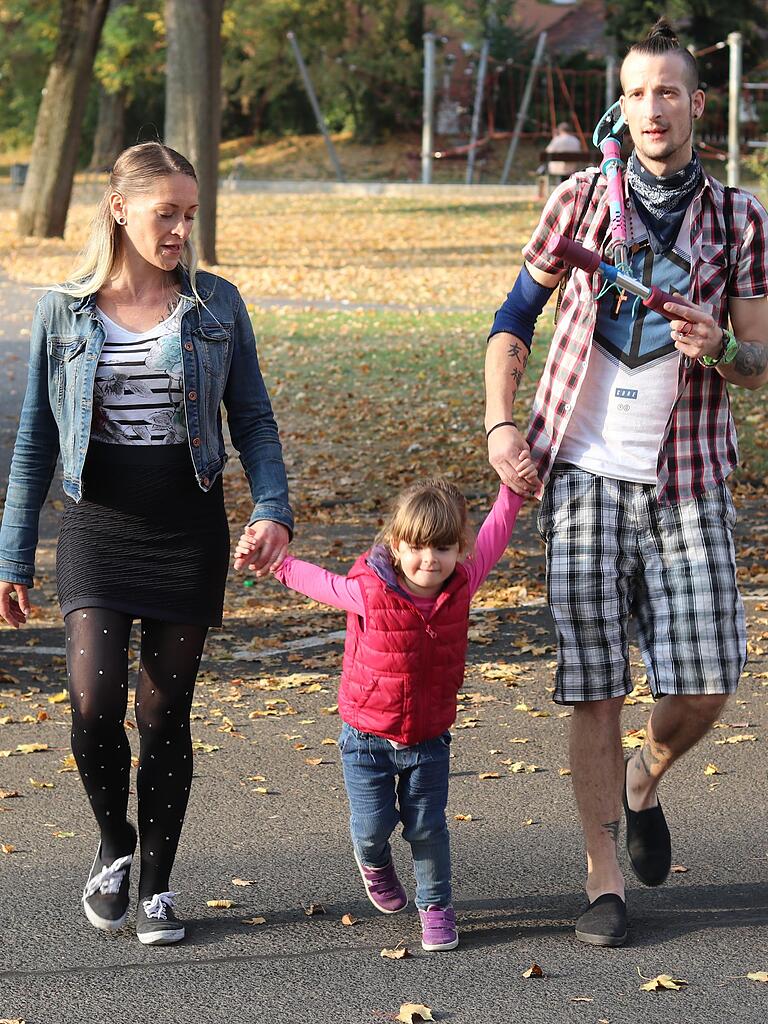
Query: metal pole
(428, 111)
(477, 109)
(734, 105)
(315, 105)
(523, 111)
(610, 80)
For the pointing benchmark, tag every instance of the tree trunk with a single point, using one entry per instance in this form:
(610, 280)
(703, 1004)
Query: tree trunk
(193, 102)
(109, 140)
(48, 188)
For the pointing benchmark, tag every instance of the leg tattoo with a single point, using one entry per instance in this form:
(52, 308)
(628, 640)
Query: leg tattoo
(612, 828)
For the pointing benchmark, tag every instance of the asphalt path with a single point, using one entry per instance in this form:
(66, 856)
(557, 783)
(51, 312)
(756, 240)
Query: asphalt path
(518, 865)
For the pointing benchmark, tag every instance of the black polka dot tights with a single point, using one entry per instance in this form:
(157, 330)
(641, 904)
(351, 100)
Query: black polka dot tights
(97, 664)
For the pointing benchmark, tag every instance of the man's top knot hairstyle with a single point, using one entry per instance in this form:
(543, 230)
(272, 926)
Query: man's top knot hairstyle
(661, 40)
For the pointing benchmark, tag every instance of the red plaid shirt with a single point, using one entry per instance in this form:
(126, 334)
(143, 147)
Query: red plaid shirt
(699, 448)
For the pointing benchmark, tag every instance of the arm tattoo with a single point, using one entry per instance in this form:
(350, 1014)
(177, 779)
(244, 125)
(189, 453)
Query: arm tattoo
(751, 359)
(516, 375)
(612, 828)
(513, 350)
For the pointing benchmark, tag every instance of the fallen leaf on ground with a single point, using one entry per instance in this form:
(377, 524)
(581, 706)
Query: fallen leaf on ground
(712, 769)
(60, 834)
(243, 881)
(7, 848)
(582, 999)
(411, 1013)
(7, 794)
(204, 748)
(633, 739)
(313, 762)
(255, 920)
(38, 784)
(742, 737)
(314, 908)
(348, 920)
(489, 775)
(563, 772)
(220, 904)
(58, 698)
(662, 982)
(534, 971)
(459, 817)
(31, 748)
(398, 953)
(758, 976)
(679, 869)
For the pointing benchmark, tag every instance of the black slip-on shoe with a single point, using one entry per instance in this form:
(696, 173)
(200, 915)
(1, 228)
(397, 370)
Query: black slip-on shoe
(604, 922)
(105, 897)
(648, 841)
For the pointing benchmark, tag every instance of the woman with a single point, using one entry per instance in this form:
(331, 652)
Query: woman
(129, 364)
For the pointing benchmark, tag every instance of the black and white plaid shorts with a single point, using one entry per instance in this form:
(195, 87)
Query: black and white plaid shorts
(612, 554)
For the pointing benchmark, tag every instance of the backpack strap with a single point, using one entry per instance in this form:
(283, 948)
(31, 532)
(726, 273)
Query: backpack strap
(579, 221)
(728, 222)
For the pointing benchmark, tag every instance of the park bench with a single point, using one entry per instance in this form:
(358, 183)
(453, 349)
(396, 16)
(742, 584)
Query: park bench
(585, 158)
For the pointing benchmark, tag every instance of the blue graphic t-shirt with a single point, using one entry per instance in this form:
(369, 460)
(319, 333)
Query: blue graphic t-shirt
(630, 384)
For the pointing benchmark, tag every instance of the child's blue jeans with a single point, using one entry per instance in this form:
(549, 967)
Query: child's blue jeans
(386, 786)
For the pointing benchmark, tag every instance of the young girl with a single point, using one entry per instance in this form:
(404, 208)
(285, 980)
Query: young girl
(407, 601)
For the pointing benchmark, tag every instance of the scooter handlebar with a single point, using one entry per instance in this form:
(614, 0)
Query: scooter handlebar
(574, 254)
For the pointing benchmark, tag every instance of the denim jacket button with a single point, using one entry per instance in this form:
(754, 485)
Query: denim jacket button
(188, 346)
(192, 396)
(196, 442)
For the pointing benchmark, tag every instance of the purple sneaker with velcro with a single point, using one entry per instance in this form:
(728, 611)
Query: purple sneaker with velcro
(438, 928)
(383, 888)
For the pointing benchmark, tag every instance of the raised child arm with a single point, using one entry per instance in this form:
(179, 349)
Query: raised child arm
(493, 536)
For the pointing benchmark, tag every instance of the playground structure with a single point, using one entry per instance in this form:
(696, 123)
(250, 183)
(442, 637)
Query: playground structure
(465, 93)
(542, 94)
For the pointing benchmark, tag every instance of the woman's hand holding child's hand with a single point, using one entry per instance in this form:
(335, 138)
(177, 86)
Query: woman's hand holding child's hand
(262, 547)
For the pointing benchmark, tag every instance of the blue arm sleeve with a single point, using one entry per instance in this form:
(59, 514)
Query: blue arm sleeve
(521, 308)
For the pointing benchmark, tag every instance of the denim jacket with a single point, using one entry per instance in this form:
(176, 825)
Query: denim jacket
(219, 363)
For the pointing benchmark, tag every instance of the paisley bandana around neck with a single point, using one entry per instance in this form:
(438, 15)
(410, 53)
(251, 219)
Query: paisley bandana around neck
(661, 202)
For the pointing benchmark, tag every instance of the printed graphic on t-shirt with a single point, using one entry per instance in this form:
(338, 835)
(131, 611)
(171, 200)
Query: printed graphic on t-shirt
(630, 384)
(626, 330)
(138, 393)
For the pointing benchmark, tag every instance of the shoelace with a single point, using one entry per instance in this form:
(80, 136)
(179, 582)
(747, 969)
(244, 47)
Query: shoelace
(157, 908)
(109, 879)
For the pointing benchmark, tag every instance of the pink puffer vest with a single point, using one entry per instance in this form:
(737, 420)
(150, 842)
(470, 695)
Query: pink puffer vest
(401, 673)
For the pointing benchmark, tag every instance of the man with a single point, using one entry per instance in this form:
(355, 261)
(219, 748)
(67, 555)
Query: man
(632, 437)
(563, 141)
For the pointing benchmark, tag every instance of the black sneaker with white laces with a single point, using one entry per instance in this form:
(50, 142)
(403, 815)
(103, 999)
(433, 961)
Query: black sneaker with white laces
(105, 897)
(156, 922)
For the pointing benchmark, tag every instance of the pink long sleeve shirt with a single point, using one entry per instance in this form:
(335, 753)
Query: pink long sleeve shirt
(340, 592)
